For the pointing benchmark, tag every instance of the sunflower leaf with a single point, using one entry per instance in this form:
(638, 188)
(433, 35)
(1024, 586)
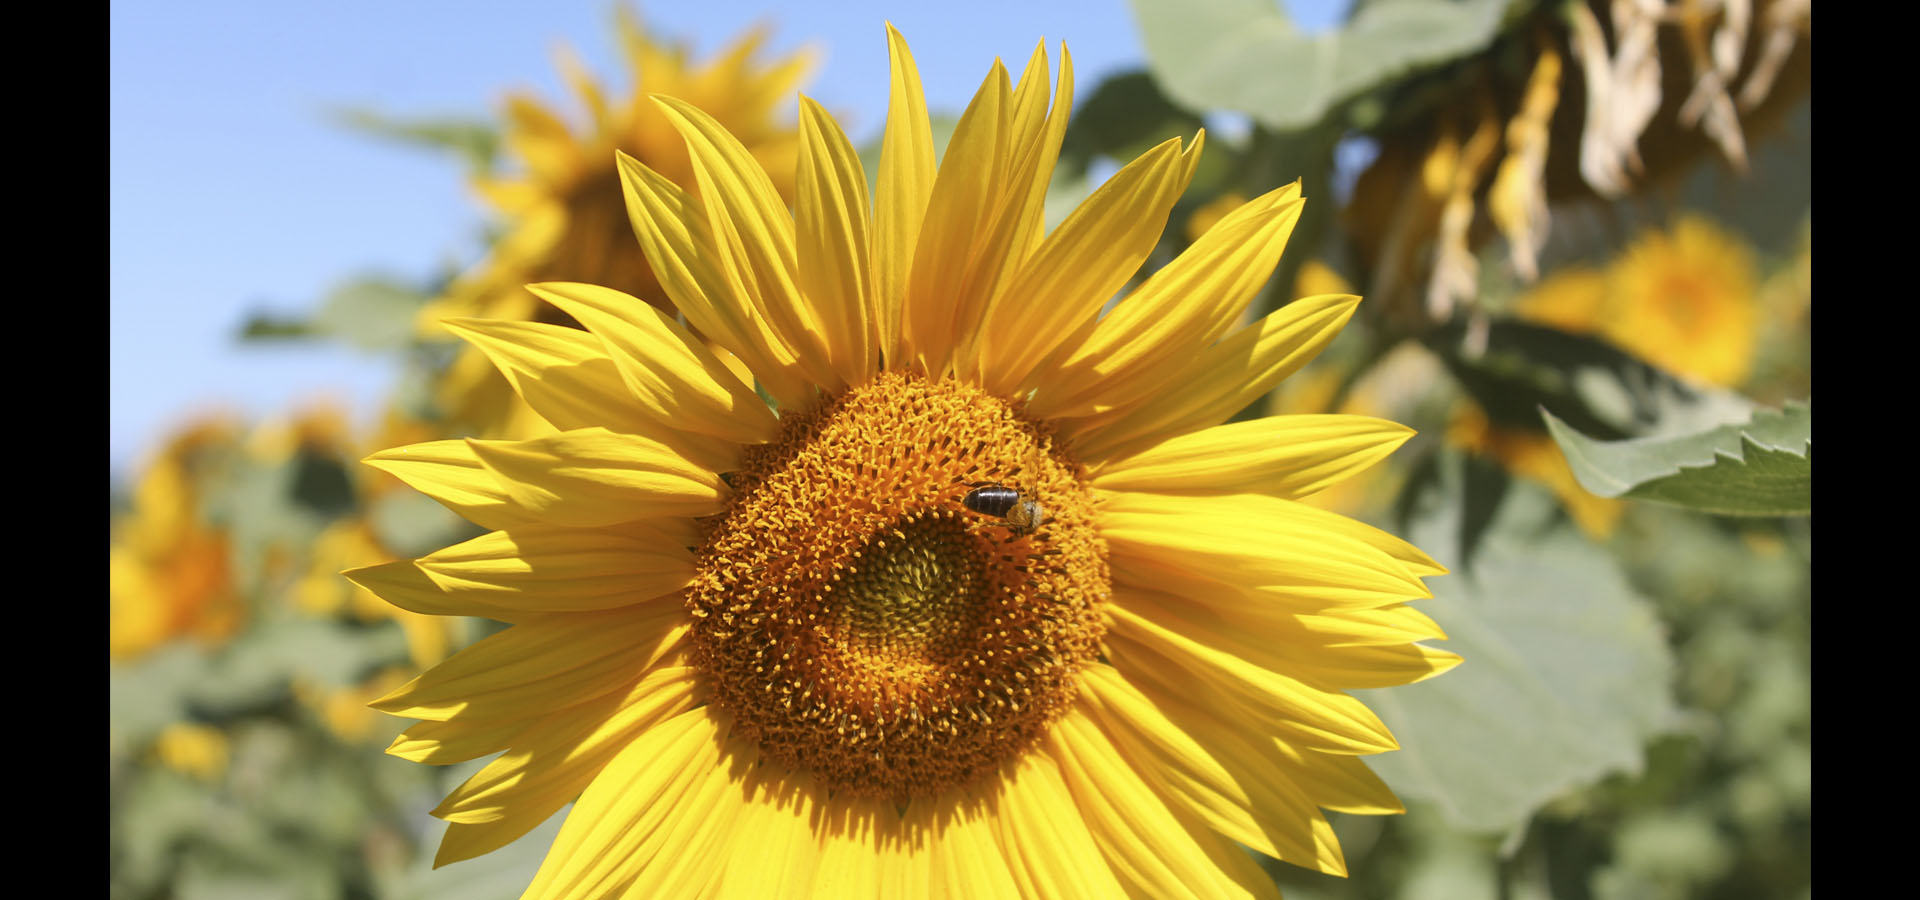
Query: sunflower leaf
(1567, 673)
(1514, 368)
(372, 313)
(476, 142)
(1761, 468)
(1247, 55)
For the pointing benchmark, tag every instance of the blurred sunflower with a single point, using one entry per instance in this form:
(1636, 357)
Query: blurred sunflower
(1685, 299)
(800, 654)
(168, 570)
(190, 748)
(561, 204)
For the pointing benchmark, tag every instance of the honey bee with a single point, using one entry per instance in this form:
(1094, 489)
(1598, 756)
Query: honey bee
(1023, 515)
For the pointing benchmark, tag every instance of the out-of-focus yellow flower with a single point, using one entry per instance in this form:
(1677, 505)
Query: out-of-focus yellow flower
(1534, 456)
(1684, 300)
(193, 749)
(168, 570)
(561, 201)
(1210, 213)
(344, 710)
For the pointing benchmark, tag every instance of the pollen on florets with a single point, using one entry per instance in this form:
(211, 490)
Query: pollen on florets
(863, 624)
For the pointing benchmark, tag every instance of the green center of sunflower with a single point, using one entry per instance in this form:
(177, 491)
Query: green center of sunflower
(863, 623)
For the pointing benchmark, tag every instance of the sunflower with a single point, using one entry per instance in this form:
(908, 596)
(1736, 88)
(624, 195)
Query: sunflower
(560, 201)
(168, 570)
(800, 653)
(1687, 300)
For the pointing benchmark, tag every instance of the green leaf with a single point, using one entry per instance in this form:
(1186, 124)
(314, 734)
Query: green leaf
(475, 141)
(267, 326)
(1763, 467)
(372, 313)
(1566, 674)
(1514, 368)
(1246, 55)
(1123, 117)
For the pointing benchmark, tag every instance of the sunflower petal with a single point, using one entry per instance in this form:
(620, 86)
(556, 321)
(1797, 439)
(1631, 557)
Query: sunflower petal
(594, 477)
(1046, 842)
(900, 198)
(546, 569)
(616, 834)
(1315, 717)
(450, 472)
(831, 224)
(1082, 263)
(965, 860)
(673, 230)
(1262, 541)
(1142, 840)
(1289, 457)
(947, 278)
(553, 761)
(753, 234)
(1180, 310)
(1222, 380)
(677, 380)
(542, 665)
(774, 852)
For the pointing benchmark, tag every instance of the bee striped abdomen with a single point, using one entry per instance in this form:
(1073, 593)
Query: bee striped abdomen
(991, 499)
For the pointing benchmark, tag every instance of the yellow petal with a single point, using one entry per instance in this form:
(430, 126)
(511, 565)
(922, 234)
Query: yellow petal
(563, 373)
(674, 232)
(965, 860)
(1146, 846)
(831, 224)
(1082, 263)
(900, 198)
(1264, 541)
(457, 740)
(1289, 457)
(675, 378)
(866, 851)
(542, 665)
(1281, 789)
(1047, 845)
(1183, 772)
(404, 584)
(547, 569)
(624, 829)
(753, 233)
(593, 477)
(774, 852)
(1222, 380)
(1288, 707)
(947, 278)
(448, 471)
(551, 762)
(1296, 652)
(1181, 310)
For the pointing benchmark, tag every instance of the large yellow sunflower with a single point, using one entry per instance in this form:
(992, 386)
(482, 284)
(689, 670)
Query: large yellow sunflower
(822, 652)
(560, 197)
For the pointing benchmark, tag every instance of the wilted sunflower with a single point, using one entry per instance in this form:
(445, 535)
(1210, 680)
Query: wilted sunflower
(787, 655)
(560, 197)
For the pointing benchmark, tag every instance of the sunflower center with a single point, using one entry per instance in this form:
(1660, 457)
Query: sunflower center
(863, 623)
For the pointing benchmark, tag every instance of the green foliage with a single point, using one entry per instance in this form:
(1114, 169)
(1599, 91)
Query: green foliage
(1761, 468)
(1246, 55)
(477, 142)
(1566, 667)
(1513, 369)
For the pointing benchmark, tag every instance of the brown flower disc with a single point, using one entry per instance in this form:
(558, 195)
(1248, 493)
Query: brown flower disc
(862, 624)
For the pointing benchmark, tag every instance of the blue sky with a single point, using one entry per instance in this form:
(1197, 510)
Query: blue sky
(231, 191)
